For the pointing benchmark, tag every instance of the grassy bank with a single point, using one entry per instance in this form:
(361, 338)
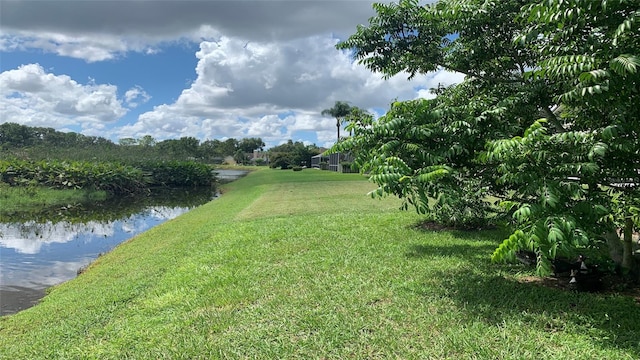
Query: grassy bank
(22, 198)
(303, 265)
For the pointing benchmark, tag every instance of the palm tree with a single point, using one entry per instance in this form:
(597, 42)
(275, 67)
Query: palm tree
(339, 111)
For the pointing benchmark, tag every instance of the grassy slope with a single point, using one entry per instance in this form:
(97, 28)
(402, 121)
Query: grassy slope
(302, 265)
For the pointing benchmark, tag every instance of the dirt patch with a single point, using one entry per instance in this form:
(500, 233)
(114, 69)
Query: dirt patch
(435, 226)
(612, 284)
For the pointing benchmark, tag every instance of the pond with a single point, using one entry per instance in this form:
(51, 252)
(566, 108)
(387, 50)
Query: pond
(49, 247)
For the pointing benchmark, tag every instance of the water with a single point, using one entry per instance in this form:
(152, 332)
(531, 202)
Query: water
(227, 175)
(49, 247)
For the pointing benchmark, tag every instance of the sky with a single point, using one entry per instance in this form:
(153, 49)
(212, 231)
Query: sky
(205, 69)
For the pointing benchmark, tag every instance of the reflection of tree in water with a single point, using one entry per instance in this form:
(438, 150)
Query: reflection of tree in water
(49, 246)
(113, 209)
(27, 232)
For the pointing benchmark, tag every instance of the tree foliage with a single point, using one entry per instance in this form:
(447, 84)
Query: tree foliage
(36, 142)
(14, 135)
(292, 154)
(592, 166)
(546, 119)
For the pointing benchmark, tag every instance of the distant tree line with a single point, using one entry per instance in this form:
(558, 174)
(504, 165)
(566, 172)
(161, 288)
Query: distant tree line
(14, 135)
(20, 141)
(40, 143)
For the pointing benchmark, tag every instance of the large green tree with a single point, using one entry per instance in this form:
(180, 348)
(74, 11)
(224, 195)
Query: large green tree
(428, 149)
(248, 145)
(292, 153)
(185, 147)
(577, 184)
(545, 120)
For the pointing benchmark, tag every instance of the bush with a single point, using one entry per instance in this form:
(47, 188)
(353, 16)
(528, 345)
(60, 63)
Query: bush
(297, 168)
(280, 161)
(178, 173)
(112, 177)
(348, 167)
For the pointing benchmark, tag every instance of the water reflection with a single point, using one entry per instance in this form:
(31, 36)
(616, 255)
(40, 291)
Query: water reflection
(226, 175)
(46, 248)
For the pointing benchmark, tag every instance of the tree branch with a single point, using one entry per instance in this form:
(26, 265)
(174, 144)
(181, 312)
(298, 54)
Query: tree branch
(553, 119)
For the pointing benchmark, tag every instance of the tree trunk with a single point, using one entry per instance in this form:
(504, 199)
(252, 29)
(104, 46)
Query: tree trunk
(553, 119)
(338, 126)
(615, 247)
(628, 260)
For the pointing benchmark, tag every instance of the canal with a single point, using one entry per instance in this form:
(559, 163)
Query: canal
(42, 249)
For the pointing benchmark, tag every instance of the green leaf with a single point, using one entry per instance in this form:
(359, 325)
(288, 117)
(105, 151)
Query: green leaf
(625, 64)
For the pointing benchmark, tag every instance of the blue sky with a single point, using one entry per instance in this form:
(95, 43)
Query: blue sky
(165, 73)
(207, 69)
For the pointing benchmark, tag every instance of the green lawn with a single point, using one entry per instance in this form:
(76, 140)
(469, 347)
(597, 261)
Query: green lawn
(303, 265)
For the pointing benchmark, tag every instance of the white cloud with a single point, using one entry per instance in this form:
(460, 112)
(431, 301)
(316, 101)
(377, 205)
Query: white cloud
(438, 79)
(101, 30)
(270, 127)
(271, 90)
(136, 95)
(31, 96)
(91, 48)
(265, 68)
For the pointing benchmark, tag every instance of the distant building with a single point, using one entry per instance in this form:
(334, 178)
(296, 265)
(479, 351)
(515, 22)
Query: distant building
(337, 162)
(320, 161)
(257, 155)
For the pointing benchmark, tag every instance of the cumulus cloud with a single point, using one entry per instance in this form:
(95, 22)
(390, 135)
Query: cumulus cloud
(31, 96)
(265, 68)
(110, 28)
(90, 48)
(135, 96)
(273, 90)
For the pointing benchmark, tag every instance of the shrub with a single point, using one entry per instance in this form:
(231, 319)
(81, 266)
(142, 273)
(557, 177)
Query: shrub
(178, 173)
(112, 177)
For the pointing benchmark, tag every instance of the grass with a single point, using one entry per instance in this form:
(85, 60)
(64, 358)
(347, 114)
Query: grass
(22, 198)
(302, 265)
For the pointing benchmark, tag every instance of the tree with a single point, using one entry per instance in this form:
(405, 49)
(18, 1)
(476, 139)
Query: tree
(590, 185)
(185, 147)
(15, 135)
(248, 145)
(292, 153)
(240, 157)
(547, 123)
(425, 152)
(147, 141)
(281, 160)
(339, 111)
(210, 150)
(228, 147)
(423, 149)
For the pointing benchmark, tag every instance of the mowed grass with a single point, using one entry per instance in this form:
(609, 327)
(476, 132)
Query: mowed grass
(303, 265)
